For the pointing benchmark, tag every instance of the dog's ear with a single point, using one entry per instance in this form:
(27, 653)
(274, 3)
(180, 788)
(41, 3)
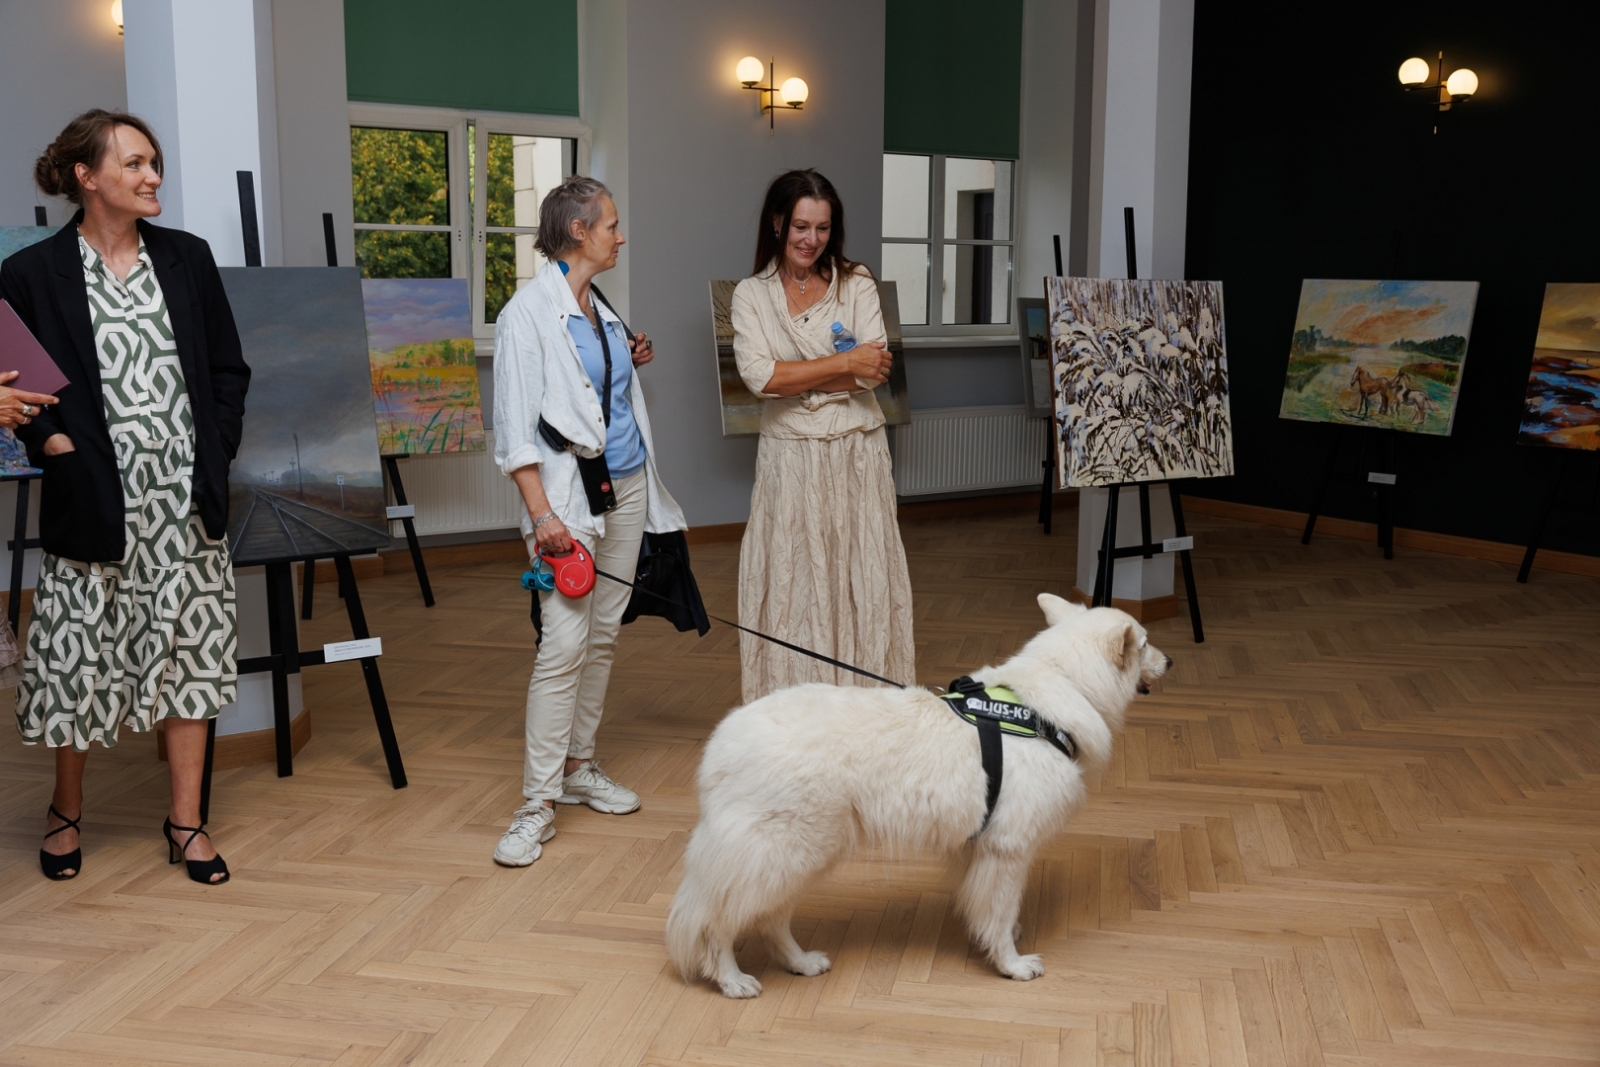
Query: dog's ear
(1055, 609)
(1124, 646)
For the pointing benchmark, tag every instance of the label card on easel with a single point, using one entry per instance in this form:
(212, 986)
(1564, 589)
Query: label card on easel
(1380, 478)
(1177, 544)
(366, 648)
(401, 511)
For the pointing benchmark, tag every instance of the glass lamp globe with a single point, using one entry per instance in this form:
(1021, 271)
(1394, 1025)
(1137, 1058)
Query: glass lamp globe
(794, 92)
(116, 13)
(1461, 83)
(1414, 71)
(749, 70)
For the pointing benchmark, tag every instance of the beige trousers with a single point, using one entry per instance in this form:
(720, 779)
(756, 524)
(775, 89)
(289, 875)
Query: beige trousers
(567, 692)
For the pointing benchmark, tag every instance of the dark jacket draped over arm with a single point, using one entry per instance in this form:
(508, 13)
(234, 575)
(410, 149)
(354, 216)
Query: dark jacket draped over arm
(81, 510)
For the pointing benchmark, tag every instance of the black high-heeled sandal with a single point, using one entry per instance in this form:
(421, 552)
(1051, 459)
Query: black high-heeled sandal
(54, 866)
(199, 870)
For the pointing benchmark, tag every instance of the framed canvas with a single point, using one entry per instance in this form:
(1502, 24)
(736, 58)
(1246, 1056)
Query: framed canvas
(16, 238)
(1140, 373)
(741, 410)
(1033, 330)
(1379, 353)
(424, 365)
(308, 481)
(1562, 405)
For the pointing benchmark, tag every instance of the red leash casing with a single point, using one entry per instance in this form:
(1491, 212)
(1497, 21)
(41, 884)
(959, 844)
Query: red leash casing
(574, 570)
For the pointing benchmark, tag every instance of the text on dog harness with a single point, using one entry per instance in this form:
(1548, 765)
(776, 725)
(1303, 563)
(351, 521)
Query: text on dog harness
(996, 710)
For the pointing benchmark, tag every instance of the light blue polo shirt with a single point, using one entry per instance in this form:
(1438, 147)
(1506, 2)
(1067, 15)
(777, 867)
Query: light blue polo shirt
(624, 444)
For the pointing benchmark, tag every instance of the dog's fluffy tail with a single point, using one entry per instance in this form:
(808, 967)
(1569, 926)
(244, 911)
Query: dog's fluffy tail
(689, 929)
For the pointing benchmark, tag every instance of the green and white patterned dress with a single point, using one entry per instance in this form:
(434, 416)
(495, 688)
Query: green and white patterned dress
(152, 635)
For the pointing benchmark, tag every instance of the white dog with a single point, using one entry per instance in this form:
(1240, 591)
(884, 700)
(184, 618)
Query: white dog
(791, 782)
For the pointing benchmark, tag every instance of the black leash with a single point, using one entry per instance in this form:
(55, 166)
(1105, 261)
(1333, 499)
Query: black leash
(754, 633)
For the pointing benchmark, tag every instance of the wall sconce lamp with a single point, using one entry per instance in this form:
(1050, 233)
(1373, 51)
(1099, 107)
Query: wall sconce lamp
(792, 93)
(116, 15)
(1462, 83)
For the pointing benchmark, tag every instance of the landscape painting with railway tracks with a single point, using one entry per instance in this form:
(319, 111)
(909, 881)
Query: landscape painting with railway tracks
(1379, 353)
(424, 366)
(308, 480)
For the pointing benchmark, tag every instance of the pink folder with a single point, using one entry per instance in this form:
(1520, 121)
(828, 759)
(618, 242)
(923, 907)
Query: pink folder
(21, 351)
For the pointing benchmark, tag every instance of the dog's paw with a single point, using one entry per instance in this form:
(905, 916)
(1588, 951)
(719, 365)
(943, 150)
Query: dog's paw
(1023, 968)
(741, 986)
(811, 964)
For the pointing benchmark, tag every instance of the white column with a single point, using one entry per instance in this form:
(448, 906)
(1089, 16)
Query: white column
(199, 73)
(1140, 159)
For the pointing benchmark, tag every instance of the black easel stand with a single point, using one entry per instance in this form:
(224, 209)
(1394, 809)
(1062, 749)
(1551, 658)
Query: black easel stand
(1382, 482)
(285, 658)
(18, 545)
(1109, 553)
(1552, 495)
(309, 578)
(1047, 487)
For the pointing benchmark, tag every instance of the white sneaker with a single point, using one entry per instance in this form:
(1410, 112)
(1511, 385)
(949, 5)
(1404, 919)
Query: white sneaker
(592, 786)
(533, 824)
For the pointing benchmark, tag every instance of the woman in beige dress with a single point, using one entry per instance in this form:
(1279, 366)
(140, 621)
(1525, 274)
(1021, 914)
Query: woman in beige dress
(821, 565)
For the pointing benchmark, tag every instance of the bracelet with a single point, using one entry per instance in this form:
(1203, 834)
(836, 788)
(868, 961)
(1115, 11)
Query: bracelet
(542, 519)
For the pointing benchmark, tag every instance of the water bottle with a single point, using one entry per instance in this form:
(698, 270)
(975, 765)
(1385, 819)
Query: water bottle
(843, 339)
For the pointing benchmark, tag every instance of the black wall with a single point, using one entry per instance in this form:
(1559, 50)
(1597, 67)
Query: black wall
(1307, 160)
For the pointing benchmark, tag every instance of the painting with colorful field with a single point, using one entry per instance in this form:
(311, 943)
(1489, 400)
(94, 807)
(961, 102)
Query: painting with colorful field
(1563, 402)
(1379, 353)
(424, 366)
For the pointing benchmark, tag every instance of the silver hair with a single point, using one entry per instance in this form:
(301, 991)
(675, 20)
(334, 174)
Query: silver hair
(576, 198)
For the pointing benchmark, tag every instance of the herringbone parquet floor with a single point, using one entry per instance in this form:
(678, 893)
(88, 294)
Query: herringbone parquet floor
(1360, 825)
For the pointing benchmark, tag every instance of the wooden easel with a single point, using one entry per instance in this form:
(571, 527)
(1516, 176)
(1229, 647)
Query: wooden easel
(19, 544)
(1109, 553)
(1106, 567)
(1552, 495)
(407, 516)
(1383, 481)
(286, 658)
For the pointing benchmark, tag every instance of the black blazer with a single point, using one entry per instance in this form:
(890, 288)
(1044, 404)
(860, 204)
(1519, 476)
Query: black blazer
(81, 514)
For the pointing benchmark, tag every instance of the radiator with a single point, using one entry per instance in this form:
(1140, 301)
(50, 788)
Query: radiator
(951, 450)
(459, 492)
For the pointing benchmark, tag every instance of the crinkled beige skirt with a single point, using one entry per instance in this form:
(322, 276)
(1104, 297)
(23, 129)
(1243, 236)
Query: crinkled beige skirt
(822, 565)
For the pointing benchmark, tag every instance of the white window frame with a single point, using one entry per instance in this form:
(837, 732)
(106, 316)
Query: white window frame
(468, 258)
(935, 242)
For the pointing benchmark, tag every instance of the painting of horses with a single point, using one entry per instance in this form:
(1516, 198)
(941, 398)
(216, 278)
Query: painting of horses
(424, 365)
(1378, 353)
(1140, 372)
(1562, 407)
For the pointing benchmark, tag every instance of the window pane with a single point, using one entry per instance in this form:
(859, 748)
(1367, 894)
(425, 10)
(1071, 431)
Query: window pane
(391, 254)
(977, 284)
(977, 199)
(521, 171)
(510, 262)
(905, 196)
(400, 176)
(907, 267)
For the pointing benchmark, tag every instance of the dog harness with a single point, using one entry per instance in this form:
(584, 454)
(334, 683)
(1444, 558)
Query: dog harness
(996, 710)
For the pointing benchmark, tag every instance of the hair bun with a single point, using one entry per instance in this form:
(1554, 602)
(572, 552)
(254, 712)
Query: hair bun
(47, 172)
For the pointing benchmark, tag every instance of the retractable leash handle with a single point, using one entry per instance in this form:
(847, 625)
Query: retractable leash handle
(574, 570)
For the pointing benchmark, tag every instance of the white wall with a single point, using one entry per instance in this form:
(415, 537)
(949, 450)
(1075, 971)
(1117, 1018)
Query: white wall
(58, 58)
(603, 104)
(313, 132)
(699, 161)
(192, 73)
(1044, 181)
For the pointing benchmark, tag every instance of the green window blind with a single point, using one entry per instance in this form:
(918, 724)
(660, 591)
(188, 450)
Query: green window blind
(494, 55)
(953, 77)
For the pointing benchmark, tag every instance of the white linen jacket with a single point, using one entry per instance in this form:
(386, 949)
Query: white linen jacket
(538, 372)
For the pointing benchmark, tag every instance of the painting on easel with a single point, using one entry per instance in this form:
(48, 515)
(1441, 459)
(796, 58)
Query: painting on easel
(424, 366)
(1140, 371)
(1563, 402)
(1379, 353)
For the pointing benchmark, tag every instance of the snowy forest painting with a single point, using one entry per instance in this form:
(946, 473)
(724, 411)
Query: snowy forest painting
(1141, 380)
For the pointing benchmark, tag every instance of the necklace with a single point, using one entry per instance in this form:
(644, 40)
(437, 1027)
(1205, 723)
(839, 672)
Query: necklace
(801, 282)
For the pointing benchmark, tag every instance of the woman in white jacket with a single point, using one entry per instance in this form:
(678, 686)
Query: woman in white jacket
(552, 362)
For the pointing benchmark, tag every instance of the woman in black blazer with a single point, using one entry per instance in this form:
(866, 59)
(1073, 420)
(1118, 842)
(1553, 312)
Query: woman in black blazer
(133, 618)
